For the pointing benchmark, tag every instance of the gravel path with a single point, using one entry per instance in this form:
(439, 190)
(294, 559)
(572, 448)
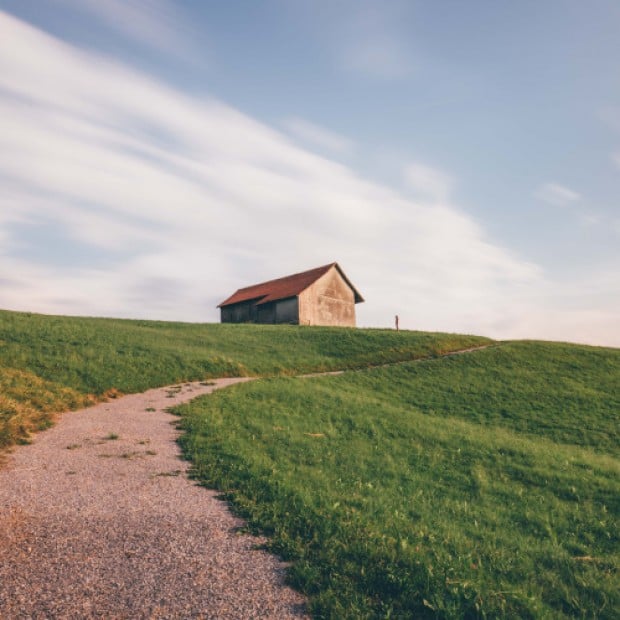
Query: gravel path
(99, 520)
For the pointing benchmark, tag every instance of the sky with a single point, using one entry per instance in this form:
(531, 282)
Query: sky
(460, 160)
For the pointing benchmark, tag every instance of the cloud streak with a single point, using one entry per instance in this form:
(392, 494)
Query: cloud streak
(314, 135)
(428, 183)
(378, 57)
(557, 195)
(188, 199)
(371, 45)
(155, 23)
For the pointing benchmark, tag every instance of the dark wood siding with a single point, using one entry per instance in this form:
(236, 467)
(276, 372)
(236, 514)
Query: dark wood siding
(287, 310)
(266, 313)
(281, 311)
(244, 312)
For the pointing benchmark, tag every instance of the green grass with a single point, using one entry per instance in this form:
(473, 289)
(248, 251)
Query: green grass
(54, 363)
(477, 485)
(480, 485)
(94, 355)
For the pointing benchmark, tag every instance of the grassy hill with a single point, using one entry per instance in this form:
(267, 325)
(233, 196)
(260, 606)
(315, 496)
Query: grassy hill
(479, 485)
(53, 363)
(475, 485)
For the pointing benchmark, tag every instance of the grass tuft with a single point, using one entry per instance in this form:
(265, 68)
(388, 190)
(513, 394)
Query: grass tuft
(28, 404)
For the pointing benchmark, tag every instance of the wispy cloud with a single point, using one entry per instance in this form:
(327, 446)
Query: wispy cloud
(590, 219)
(615, 158)
(556, 194)
(377, 56)
(428, 183)
(319, 136)
(156, 23)
(371, 43)
(187, 199)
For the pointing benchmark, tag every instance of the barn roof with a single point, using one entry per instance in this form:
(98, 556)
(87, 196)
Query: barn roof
(282, 288)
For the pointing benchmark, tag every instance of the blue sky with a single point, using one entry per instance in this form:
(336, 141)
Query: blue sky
(460, 160)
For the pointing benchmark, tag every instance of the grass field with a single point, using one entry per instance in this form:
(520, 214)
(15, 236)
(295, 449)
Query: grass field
(485, 484)
(477, 485)
(55, 363)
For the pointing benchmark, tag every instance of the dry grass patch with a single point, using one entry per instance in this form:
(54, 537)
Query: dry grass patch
(28, 404)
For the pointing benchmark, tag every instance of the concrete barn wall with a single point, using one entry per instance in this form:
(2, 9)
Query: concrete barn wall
(329, 301)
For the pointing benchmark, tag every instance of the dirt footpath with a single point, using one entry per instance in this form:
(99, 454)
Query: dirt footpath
(99, 520)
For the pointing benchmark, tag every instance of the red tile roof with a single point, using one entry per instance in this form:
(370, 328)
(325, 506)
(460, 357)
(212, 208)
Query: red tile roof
(289, 286)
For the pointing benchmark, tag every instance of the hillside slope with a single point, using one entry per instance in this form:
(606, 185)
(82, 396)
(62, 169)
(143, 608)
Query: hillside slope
(486, 483)
(481, 484)
(53, 363)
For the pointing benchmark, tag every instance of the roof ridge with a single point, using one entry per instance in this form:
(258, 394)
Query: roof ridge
(293, 275)
(280, 288)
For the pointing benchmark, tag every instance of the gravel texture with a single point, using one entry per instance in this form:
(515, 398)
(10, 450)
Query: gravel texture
(99, 520)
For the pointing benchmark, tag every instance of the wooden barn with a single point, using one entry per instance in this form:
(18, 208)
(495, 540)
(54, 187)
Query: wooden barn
(321, 296)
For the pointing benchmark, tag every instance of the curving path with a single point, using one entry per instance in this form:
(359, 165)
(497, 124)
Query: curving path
(99, 520)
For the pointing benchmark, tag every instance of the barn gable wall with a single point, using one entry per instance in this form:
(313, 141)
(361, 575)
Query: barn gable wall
(329, 301)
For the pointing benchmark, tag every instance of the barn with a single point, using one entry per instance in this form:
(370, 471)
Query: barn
(320, 296)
